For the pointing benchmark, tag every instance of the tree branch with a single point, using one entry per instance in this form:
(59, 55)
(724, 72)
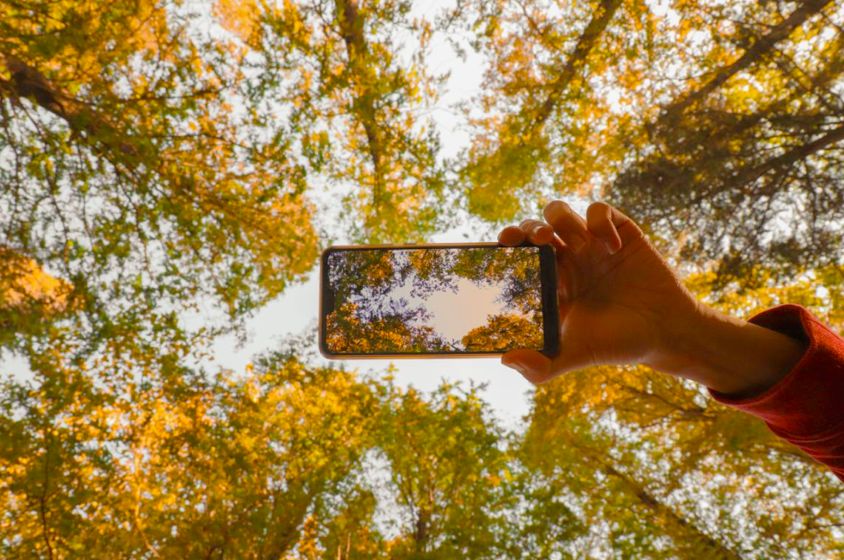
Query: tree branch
(587, 41)
(28, 83)
(662, 511)
(755, 52)
(351, 29)
(790, 157)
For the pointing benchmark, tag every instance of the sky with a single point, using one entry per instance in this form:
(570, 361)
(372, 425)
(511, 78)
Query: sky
(453, 314)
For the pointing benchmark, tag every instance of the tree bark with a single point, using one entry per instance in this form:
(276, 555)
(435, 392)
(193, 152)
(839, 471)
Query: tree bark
(351, 29)
(663, 513)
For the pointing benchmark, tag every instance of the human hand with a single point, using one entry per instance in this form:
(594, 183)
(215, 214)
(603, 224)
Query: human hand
(616, 294)
(621, 303)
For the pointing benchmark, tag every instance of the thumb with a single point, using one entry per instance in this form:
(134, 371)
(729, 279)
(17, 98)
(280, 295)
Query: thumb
(539, 368)
(534, 366)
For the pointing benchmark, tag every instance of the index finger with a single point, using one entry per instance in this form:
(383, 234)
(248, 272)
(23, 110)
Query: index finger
(512, 236)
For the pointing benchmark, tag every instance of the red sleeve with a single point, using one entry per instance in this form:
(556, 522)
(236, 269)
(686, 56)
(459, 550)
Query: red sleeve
(806, 407)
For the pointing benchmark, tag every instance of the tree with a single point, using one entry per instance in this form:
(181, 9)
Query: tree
(518, 269)
(548, 126)
(448, 473)
(126, 172)
(160, 158)
(395, 331)
(755, 149)
(717, 124)
(355, 103)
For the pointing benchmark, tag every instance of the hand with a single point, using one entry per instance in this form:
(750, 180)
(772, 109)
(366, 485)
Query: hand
(621, 303)
(615, 292)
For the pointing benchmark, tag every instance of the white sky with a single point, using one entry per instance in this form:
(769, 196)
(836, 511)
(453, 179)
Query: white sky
(454, 314)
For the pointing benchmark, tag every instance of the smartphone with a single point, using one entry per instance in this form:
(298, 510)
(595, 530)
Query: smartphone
(439, 300)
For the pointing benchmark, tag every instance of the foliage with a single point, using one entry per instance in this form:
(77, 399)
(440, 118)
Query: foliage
(268, 465)
(127, 173)
(715, 122)
(352, 101)
(503, 332)
(162, 159)
(449, 474)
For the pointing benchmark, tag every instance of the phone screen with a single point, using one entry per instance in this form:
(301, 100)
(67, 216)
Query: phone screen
(432, 300)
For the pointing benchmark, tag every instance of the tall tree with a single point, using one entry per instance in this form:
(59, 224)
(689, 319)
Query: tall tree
(355, 76)
(134, 167)
(449, 474)
(548, 123)
(745, 165)
(718, 124)
(160, 157)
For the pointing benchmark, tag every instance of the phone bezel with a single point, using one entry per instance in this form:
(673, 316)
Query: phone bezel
(550, 313)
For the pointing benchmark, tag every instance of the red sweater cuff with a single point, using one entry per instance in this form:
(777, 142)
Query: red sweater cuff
(807, 406)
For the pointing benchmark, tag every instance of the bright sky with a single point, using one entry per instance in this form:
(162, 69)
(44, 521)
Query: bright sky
(453, 314)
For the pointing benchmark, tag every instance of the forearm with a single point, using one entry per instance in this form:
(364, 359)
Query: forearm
(727, 354)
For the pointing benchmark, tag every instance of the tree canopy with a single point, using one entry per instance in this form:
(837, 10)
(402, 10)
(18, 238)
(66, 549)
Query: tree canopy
(168, 168)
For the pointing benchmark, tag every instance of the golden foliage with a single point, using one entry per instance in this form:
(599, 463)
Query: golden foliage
(151, 169)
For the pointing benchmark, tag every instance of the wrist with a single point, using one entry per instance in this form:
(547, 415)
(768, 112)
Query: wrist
(727, 354)
(685, 347)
